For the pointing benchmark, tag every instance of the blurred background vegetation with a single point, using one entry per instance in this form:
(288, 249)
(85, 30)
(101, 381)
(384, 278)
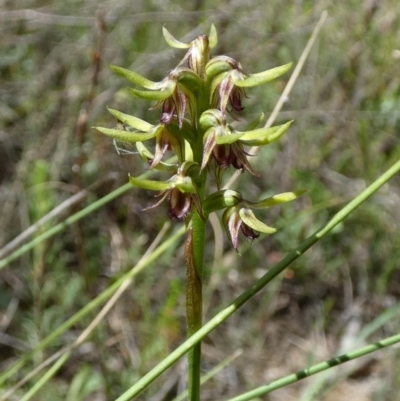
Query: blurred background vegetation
(55, 84)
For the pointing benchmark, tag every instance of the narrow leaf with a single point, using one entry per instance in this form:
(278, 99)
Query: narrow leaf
(262, 77)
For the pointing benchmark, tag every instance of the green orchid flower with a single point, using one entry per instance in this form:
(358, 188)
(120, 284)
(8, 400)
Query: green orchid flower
(166, 138)
(228, 82)
(180, 190)
(225, 145)
(175, 94)
(238, 216)
(198, 53)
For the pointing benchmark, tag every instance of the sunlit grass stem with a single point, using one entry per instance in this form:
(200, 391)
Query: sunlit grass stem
(258, 285)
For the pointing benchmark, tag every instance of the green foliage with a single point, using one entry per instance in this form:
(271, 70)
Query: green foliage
(345, 106)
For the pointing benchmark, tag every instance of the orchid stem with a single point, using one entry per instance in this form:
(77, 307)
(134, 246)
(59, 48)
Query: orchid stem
(194, 255)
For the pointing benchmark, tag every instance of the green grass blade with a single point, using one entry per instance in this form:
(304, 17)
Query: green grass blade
(211, 373)
(46, 377)
(320, 367)
(93, 304)
(67, 222)
(61, 226)
(261, 283)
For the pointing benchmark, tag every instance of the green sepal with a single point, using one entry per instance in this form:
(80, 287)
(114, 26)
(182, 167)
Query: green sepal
(126, 136)
(188, 165)
(136, 79)
(262, 77)
(184, 184)
(276, 199)
(218, 65)
(177, 142)
(132, 121)
(172, 42)
(264, 136)
(231, 223)
(188, 151)
(211, 118)
(213, 37)
(192, 109)
(214, 85)
(149, 184)
(228, 137)
(209, 143)
(220, 200)
(188, 77)
(250, 220)
(154, 95)
(146, 155)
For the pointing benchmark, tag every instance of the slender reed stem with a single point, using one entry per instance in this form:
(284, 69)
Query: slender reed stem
(258, 285)
(319, 367)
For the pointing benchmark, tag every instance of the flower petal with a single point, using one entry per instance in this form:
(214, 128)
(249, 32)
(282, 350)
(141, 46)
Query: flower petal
(276, 199)
(209, 144)
(172, 42)
(228, 137)
(262, 77)
(132, 121)
(184, 184)
(213, 36)
(149, 184)
(154, 95)
(126, 136)
(221, 200)
(136, 78)
(219, 64)
(148, 157)
(179, 204)
(250, 220)
(232, 222)
(211, 118)
(264, 136)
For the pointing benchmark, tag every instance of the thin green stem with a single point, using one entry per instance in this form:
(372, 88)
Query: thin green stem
(194, 255)
(209, 375)
(320, 367)
(258, 285)
(194, 258)
(46, 377)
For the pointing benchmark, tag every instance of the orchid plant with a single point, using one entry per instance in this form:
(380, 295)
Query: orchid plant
(196, 101)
